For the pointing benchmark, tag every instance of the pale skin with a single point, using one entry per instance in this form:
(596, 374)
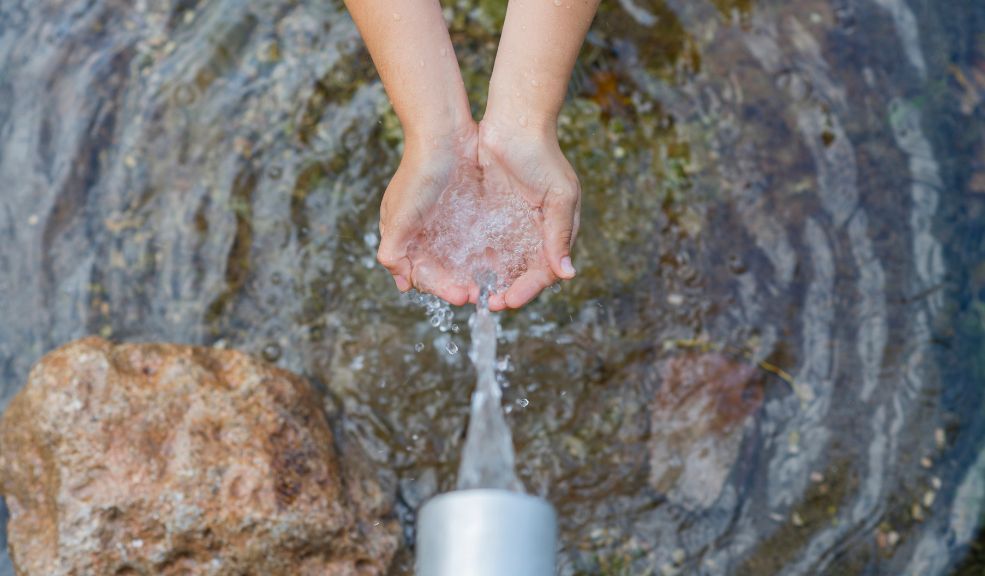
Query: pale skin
(515, 144)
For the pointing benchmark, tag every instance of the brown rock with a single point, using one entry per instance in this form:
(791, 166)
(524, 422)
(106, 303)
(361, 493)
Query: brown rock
(165, 459)
(696, 426)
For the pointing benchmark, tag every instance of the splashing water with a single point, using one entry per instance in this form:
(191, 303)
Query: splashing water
(487, 459)
(476, 227)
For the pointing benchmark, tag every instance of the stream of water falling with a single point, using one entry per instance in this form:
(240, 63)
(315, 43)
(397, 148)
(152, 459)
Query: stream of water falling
(488, 460)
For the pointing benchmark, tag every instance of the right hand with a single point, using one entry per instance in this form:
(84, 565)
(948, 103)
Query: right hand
(427, 167)
(530, 163)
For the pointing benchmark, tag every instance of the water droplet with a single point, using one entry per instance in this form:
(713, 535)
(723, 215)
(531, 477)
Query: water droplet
(556, 287)
(271, 352)
(419, 347)
(534, 82)
(421, 63)
(455, 329)
(523, 402)
(557, 2)
(523, 120)
(503, 364)
(451, 348)
(396, 17)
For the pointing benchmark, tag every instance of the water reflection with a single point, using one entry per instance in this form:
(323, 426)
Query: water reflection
(780, 263)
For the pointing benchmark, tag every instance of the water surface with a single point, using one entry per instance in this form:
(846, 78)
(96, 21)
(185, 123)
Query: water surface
(772, 361)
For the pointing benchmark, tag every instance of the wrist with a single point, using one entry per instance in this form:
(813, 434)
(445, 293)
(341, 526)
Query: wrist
(438, 124)
(501, 133)
(512, 107)
(429, 137)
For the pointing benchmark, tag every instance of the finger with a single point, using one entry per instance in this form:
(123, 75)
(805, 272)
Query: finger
(497, 303)
(576, 226)
(394, 258)
(528, 286)
(473, 293)
(433, 279)
(560, 213)
(403, 284)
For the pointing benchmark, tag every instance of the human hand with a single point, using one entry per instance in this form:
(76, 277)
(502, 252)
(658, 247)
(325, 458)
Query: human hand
(529, 162)
(429, 166)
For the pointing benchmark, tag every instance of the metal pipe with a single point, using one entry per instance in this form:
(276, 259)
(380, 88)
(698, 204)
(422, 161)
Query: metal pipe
(486, 533)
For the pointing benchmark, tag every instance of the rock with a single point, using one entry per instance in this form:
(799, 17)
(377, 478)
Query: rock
(167, 459)
(696, 426)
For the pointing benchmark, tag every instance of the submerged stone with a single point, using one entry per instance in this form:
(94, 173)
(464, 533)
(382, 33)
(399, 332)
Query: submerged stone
(697, 422)
(168, 459)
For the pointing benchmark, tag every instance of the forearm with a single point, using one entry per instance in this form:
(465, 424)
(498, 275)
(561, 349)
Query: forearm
(540, 43)
(409, 44)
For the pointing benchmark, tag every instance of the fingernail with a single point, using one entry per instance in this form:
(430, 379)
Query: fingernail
(566, 267)
(402, 284)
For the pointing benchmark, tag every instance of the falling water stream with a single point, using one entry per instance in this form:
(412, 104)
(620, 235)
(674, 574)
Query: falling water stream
(488, 460)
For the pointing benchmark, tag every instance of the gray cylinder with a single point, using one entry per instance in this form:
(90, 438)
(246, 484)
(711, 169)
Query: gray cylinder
(486, 533)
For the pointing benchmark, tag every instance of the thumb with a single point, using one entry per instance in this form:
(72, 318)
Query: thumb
(560, 216)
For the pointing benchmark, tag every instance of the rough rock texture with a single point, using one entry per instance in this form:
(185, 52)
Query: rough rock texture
(697, 422)
(166, 459)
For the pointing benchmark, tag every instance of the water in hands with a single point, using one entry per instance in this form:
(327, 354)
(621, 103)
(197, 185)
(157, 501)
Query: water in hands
(478, 226)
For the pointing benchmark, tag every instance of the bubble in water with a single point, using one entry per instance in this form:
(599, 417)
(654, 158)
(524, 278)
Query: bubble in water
(271, 352)
(451, 348)
(435, 320)
(419, 347)
(523, 402)
(455, 329)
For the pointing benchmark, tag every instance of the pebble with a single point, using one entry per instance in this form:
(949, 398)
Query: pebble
(928, 498)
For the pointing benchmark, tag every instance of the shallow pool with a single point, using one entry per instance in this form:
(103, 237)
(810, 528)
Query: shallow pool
(772, 361)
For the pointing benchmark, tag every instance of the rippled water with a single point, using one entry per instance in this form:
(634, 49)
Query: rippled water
(773, 358)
